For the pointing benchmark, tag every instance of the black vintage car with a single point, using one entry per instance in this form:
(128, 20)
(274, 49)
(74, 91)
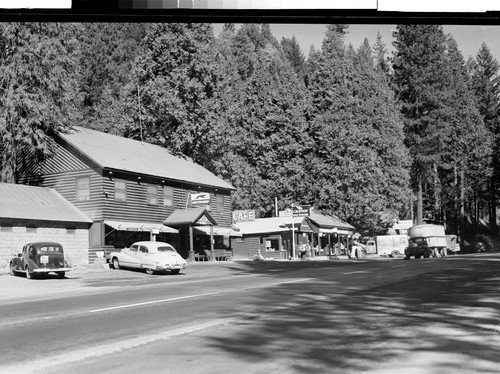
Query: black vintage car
(39, 258)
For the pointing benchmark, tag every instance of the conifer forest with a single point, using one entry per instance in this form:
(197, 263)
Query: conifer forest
(354, 131)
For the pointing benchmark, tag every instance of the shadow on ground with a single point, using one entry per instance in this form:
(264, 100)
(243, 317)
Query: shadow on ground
(435, 322)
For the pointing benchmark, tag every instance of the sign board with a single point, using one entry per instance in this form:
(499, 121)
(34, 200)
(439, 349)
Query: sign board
(301, 211)
(202, 198)
(298, 211)
(243, 216)
(403, 225)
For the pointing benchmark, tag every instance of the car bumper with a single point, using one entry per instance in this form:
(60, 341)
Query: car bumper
(171, 267)
(48, 270)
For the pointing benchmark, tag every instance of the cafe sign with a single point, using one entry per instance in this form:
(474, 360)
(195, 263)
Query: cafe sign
(243, 216)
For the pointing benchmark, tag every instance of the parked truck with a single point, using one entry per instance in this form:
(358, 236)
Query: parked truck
(425, 240)
(387, 245)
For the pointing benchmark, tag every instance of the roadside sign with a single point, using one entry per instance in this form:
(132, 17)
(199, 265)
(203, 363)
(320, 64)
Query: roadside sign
(202, 198)
(403, 224)
(243, 216)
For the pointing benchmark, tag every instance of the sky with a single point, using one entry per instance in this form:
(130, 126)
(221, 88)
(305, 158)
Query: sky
(468, 37)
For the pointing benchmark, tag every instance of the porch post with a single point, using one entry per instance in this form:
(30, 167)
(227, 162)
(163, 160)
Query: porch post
(191, 246)
(212, 252)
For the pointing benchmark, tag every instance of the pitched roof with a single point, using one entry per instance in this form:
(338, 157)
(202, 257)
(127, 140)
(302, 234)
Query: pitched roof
(36, 203)
(190, 216)
(119, 153)
(325, 221)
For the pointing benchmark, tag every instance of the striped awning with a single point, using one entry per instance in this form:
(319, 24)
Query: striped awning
(140, 226)
(218, 230)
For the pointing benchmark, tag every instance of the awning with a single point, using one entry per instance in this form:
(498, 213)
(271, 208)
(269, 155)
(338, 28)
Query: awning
(218, 230)
(140, 226)
(328, 231)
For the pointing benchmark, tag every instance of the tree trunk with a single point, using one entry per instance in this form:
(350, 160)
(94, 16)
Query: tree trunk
(420, 213)
(462, 203)
(493, 207)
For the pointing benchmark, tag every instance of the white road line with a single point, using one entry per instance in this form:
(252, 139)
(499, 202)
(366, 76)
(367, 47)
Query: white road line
(359, 271)
(397, 266)
(194, 296)
(153, 302)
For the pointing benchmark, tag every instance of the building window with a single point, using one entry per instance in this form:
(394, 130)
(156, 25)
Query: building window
(220, 203)
(152, 194)
(71, 230)
(168, 196)
(82, 188)
(120, 190)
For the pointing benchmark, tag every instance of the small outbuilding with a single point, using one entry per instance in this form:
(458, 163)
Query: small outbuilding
(29, 214)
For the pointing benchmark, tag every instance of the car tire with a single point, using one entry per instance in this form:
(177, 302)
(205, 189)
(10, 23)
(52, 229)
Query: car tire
(175, 271)
(12, 269)
(149, 271)
(116, 263)
(61, 274)
(29, 274)
(395, 254)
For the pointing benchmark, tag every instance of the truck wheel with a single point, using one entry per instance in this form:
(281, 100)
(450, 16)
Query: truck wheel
(395, 254)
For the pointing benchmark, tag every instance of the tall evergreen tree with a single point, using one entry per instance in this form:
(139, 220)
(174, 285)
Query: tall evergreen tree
(419, 67)
(485, 84)
(264, 112)
(292, 52)
(36, 77)
(105, 56)
(176, 80)
(466, 164)
(360, 162)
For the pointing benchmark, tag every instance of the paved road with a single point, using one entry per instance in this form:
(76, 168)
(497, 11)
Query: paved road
(418, 316)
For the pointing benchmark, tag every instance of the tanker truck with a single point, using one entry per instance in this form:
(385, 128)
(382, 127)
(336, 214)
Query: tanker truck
(425, 240)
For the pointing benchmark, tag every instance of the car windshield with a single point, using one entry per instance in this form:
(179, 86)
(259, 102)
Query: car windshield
(166, 249)
(50, 248)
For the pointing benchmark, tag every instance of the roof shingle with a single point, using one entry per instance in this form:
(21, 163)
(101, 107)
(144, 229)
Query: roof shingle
(37, 203)
(119, 153)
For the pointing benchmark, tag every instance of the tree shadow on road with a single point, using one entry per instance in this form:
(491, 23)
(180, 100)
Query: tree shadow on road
(435, 322)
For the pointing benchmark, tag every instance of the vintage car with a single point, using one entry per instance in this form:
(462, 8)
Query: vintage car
(40, 258)
(149, 255)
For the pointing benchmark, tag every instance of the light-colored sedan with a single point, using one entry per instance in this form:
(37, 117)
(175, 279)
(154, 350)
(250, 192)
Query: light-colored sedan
(149, 255)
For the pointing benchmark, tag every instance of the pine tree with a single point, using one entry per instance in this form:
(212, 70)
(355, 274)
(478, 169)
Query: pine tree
(419, 66)
(264, 112)
(292, 52)
(176, 80)
(36, 78)
(360, 162)
(485, 84)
